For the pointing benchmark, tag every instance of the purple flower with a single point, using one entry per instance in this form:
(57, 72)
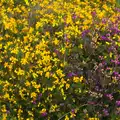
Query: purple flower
(112, 61)
(104, 20)
(85, 32)
(115, 73)
(93, 13)
(108, 35)
(118, 103)
(115, 30)
(104, 63)
(56, 51)
(119, 75)
(106, 113)
(107, 68)
(71, 74)
(97, 87)
(110, 96)
(34, 102)
(118, 63)
(117, 9)
(44, 114)
(111, 48)
(74, 16)
(7, 111)
(105, 38)
(118, 17)
(39, 96)
(66, 38)
(73, 111)
(101, 57)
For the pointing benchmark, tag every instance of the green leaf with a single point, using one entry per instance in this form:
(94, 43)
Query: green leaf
(118, 2)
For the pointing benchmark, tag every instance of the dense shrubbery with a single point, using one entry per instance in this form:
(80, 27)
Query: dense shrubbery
(59, 59)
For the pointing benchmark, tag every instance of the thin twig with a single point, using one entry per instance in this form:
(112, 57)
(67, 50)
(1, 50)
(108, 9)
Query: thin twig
(76, 108)
(64, 115)
(69, 112)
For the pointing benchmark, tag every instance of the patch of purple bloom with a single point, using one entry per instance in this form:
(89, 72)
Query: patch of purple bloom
(118, 103)
(85, 32)
(105, 112)
(71, 74)
(104, 38)
(44, 114)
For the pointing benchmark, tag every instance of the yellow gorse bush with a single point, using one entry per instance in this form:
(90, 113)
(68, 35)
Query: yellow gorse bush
(35, 37)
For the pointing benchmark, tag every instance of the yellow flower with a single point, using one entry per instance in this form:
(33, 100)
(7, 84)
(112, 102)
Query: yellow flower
(38, 24)
(47, 74)
(72, 115)
(1, 38)
(81, 78)
(30, 113)
(34, 75)
(27, 83)
(56, 81)
(31, 30)
(101, 14)
(86, 22)
(16, 10)
(59, 34)
(40, 72)
(76, 79)
(51, 88)
(6, 64)
(15, 51)
(13, 59)
(66, 117)
(56, 41)
(62, 91)
(62, 50)
(63, 81)
(53, 108)
(80, 46)
(47, 34)
(105, 7)
(31, 118)
(59, 72)
(19, 113)
(37, 87)
(69, 19)
(93, 118)
(62, 65)
(25, 29)
(33, 95)
(67, 86)
(6, 96)
(21, 92)
(0, 46)
(7, 35)
(111, 54)
(43, 110)
(4, 117)
(107, 43)
(27, 54)
(3, 108)
(24, 61)
(10, 67)
(20, 71)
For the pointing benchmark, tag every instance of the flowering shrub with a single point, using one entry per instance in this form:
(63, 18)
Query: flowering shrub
(59, 60)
